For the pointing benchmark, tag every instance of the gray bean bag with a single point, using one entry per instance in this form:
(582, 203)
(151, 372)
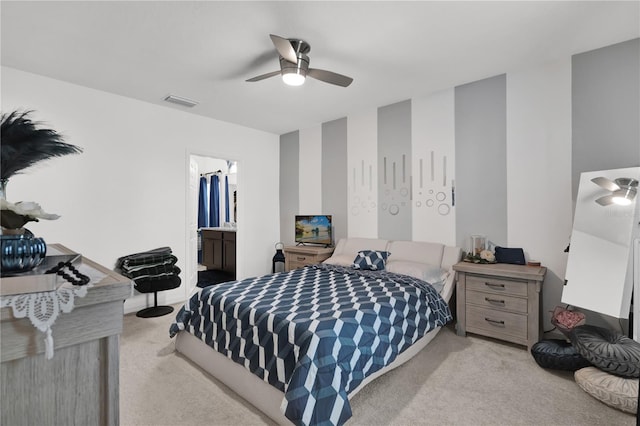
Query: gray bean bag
(617, 392)
(608, 350)
(558, 354)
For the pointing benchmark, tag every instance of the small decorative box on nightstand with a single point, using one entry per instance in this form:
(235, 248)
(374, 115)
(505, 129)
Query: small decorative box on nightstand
(300, 256)
(500, 301)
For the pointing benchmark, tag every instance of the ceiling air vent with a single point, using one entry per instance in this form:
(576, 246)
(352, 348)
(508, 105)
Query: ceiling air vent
(181, 101)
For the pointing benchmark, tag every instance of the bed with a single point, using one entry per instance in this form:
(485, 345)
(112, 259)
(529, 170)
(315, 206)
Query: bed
(299, 344)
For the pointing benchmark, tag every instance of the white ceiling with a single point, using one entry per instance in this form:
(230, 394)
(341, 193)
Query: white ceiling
(205, 50)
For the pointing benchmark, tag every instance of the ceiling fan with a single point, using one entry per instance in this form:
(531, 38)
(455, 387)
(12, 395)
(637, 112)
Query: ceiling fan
(294, 64)
(623, 190)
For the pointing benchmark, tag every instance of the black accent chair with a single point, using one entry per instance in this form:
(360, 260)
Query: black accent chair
(151, 271)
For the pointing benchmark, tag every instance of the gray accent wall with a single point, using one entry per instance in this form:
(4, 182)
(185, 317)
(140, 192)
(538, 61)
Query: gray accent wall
(481, 160)
(605, 109)
(394, 171)
(334, 175)
(289, 185)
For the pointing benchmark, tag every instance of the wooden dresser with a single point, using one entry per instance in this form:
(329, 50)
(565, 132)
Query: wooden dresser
(299, 256)
(500, 301)
(80, 384)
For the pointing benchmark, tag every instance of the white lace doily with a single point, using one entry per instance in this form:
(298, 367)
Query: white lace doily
(43, 308)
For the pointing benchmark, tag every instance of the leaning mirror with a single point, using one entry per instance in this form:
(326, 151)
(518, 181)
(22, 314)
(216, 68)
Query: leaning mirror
(600, 272)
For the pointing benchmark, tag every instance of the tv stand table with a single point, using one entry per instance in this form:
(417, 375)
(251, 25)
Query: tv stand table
(300, 256)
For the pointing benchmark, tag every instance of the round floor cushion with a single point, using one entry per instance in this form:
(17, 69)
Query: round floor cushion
(617, 392)
(608, 350)
(558, 354)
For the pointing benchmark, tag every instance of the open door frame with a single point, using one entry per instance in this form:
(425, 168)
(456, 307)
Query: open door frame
(191, 219)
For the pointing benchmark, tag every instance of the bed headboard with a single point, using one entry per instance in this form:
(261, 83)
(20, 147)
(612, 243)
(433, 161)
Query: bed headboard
(451, 256)
(347, 249)
(414, 251)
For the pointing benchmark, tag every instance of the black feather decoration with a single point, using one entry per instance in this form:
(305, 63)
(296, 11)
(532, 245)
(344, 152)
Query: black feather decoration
(23, 144)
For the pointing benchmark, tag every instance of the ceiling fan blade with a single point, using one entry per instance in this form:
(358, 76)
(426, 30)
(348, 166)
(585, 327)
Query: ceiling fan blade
(607, 184)
(263, 76)
(284, 48)
(330, 77)
(605, 201)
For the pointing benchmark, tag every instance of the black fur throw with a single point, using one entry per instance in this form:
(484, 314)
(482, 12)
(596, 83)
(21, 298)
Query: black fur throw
(23, 144)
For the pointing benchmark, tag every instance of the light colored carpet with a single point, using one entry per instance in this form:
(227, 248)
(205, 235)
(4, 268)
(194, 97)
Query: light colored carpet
(454, 381)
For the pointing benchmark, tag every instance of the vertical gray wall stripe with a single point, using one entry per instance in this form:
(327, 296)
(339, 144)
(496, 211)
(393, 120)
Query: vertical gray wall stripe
(606, 109)
(334, 175)
(481, 160)
(289, 185)
(394, 171)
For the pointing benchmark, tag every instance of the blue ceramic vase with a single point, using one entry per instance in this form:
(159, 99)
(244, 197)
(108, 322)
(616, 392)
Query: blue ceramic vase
(21, 252)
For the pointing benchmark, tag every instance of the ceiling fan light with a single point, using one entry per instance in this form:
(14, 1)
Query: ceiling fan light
(624, 197)
(293, 78)
(621, 201)
(294, 74)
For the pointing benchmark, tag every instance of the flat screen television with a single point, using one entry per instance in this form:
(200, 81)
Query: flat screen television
(314, 229)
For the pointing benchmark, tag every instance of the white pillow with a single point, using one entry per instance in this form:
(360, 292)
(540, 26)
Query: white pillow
(430, 273)
(340, 260)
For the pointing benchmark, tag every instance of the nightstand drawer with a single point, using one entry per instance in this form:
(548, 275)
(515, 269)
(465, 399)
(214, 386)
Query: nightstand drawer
(296, 265)
(299, 257)
(496, 285)
(497, 301)
(496, 321)
(302, 258)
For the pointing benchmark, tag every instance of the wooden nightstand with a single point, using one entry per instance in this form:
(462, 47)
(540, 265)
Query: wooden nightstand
(500, 301)
(299, 256)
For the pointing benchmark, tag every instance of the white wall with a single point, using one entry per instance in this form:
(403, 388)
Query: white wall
(127, 191)
(539, 205)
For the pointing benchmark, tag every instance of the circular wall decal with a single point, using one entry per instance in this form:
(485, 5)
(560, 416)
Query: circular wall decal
(355, 210)
(429, 203)
(404, 192)
(394, 209)
(418, 203)
(444, 209)
(440, 196)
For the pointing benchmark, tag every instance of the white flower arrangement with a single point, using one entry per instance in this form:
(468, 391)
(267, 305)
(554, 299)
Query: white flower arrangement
(487, 255)
(15, 216)
(484, 256)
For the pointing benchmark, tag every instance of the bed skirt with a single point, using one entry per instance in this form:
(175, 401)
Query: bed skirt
(254, 390)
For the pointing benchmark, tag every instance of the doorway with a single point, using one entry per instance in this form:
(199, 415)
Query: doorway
(211, 203)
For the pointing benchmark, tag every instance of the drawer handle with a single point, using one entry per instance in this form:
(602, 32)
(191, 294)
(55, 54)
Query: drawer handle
(301, 258)
(494, 300)
(494, 285)
(492, 321)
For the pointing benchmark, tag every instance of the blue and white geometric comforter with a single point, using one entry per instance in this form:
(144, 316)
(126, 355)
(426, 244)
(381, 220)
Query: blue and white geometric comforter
(314, 333)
